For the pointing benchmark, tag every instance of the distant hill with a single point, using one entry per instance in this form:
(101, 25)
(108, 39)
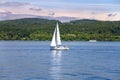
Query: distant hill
(42, 29)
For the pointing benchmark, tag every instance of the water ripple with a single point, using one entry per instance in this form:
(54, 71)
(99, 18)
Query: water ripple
(70, 74)
(114, 71)
(37, 78)
(97, 78)
(84, 74)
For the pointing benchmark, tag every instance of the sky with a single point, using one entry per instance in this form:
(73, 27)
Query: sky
(63, 10)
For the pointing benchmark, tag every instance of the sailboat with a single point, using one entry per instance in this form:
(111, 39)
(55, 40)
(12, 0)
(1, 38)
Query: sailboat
(56, 43)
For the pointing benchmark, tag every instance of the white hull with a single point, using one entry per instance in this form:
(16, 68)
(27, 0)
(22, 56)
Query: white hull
(59, 48)
(92, 41)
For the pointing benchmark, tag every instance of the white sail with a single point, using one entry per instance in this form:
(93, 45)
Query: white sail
(53, 42)
(58, 40)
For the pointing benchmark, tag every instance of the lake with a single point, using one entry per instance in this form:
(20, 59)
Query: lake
(33, 60)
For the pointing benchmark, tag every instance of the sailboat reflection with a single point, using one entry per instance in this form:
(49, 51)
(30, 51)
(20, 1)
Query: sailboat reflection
(56, 65)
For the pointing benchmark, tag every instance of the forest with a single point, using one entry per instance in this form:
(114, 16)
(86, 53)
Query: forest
(42, 29)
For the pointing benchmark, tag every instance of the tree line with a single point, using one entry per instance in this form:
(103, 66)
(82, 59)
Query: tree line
(42, 29)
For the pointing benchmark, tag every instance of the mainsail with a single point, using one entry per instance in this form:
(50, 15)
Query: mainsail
(58, 40)
(56, 37)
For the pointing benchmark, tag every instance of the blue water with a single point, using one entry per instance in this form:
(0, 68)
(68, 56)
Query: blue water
(33, 60)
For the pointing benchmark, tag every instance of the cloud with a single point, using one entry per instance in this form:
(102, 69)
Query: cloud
(22, 8)
(11, 16)
(13, 4)
(5, 15)
(51, 14)
(65, 18)
(16, 10)
(111, 15)
(35, 9)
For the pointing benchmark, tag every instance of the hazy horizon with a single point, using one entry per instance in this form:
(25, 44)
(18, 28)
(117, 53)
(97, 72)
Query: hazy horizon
(62, 10)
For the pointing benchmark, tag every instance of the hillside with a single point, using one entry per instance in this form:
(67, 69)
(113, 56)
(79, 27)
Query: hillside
(42, 29)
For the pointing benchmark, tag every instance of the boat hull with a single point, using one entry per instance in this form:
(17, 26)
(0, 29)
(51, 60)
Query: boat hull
(59, 48)
(92, 41)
